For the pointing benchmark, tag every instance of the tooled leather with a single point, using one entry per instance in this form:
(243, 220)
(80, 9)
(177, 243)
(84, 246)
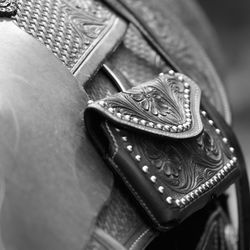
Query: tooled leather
(166, 106)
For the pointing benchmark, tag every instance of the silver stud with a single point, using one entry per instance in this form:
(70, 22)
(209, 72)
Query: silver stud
(217, 131)
(159, 126)
(234, 159)
(180, 78)
(171, 72)
(151, 124)
(225, 140)
(231, 149)
(135, 120)
(192, 195)
(196, 192)
(188, 115)
(166, 127)
(207, 184)
(186, 106)
(204, 113)
(129, 148)
(204, 187)
(161, 74)
(153, 178)
(143, 122)
(119, 115)
(222, 172)
(178, 203)
(180, 127)
(231, 162)
(102, 103)
(219, 175)
(117, 130)
(174, 129)
(186, 85)
(215, 178)
(124, 138)
(127, 117)
(186, 91)
(145, 169)
(183, 201)
(211, 122)
(138, 157)
(90, 102)
(169, 200)
(186, 96)
(200, 189)
(188, 197)
(188, 120)
(161, 189)
(111, 110)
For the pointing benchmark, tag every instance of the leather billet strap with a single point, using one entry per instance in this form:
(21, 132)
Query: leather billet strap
(172, 156)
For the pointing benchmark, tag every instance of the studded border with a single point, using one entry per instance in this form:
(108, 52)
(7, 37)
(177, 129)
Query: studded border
(169, 128)
(192, 196)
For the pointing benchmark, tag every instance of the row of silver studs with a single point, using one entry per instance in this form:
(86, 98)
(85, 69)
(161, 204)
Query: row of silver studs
(169, 128)
(202, 188)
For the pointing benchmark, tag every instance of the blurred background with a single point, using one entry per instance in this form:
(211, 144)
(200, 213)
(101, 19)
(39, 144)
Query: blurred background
(231, 21)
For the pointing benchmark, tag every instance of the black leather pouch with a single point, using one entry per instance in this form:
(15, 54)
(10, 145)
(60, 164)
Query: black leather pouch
(167, 144)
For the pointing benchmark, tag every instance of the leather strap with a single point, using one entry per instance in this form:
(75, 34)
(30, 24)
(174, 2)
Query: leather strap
(176, 46)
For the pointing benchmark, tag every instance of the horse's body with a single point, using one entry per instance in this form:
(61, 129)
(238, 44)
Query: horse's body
(56, 191)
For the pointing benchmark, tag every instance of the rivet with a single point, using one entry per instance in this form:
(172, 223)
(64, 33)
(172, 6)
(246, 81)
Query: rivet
(207, 184)
(161, 74)
(196, 192)
(138, 157)
(217, 131)
(234, 159)
(166, 127)
(231, 149)
(183, 201)
(171, 72)
(169, 200)
(188, 197)
(129, 148)
(178, 203)
(159, 126)
(215, 178)
(204, 113)
(225, 140)
(135, 120)
(186, 106)
(143, 122)
(211, 181)
(211, 122)
(186, 91)
(153, 178)
(188, 120)
(186, 85)
(161, 189)
(151, 124)
(204, 187)
(180, 127)
(222, 172)
(180, 78)
(127, 117)
(192, 195)
(200, 189)
(119, 115)
(117, 130)
(188, 115)
(90, 102)
(124, 138)
(186, 96)
(145, 169)
(231, 162)
(174, 129)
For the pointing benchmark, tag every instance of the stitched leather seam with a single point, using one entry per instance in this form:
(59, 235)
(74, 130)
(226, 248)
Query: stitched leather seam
(138, 197)
(114, 140)
(138, 239)
(125, 179)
